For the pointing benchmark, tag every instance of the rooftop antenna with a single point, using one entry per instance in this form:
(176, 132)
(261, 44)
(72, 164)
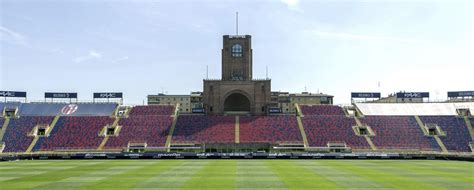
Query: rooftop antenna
(207, 71)
(237, 23)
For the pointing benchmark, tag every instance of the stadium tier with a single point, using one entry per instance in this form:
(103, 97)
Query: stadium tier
(85, 127)
(399, 132)
(196, 129)
(152, 110)
(64, 109)
(74, 133)
(281, 129)
(4, 105)
(321, 130)
(321, 110)
(149, 129)
(457, 135)
(18, 135)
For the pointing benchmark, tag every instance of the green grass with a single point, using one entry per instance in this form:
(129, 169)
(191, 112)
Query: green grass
(236, 174)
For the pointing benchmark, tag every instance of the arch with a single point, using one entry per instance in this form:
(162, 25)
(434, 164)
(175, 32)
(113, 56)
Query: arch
(237, 101)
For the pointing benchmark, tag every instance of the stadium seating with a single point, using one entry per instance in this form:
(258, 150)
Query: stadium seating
(2, 120)
(4, 105)
(16, 136)
(399, 132)
(152, 124)
(150, 129)
(204, 129)
(54, 109)
(321, 110)
(270, 129)
(332, 128)
(457, 135)
(472, 122)
(152, 110)
(74, 133)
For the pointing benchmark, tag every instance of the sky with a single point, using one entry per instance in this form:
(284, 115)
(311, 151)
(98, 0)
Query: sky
(149, 47)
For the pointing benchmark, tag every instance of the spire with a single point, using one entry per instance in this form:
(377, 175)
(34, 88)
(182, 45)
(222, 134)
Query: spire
(237, 23)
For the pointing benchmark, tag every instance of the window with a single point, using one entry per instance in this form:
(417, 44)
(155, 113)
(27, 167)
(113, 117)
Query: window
(237, 50)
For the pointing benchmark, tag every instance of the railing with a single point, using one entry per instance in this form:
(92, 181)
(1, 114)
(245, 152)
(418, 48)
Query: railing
(74, 101)
(426, 101)
(255, 79)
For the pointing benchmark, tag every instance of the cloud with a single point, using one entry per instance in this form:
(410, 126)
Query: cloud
(349, 36)
(9, 36)
(120, 59)
(92, 55)
(293, 5)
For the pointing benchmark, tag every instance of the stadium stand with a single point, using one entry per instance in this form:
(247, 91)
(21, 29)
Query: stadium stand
(472, 122)
(270, 129)
(74, 132)
(457, 135)
(4, 105)
(150, 129)
(321, 110)
(16, 136)
(332, 128)
(62, 109)
(152, 110)
(322, 124)
(412, 109)
(399, 132)
(204, 129)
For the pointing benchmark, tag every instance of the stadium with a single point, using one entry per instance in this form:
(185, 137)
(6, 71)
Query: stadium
(237, 133)
(230, 125)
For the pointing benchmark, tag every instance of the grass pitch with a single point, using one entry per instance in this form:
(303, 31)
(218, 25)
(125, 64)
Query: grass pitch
(237, 174)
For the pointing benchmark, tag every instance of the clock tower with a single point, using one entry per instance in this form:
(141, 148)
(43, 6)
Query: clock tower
(237, 57)
(236, 92)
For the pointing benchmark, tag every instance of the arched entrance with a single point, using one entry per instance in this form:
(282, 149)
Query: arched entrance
(237, 102)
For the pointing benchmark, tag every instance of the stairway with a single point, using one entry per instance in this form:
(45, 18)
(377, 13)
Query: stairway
(33, 143)
(358, 112)
(469, 127)
(173, 126)
(367, 138)
(298, 110)
(237, 129)
(4, 128)
(106, 137)
(36, 138)
(372, 145)
(441, 144)
(425, 132)
(303, 133)
(421, 125)
(104, 141)
(52, 125)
